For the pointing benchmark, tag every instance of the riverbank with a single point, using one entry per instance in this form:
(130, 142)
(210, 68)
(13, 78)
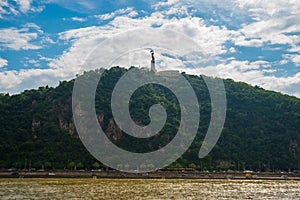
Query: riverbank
(151, 175)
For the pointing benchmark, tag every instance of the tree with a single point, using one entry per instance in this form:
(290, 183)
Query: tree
(80, 165)
(72, 165)
(192, 165)
(96, 165)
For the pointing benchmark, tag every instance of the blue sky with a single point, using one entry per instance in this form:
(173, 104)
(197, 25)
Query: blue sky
(44, 41)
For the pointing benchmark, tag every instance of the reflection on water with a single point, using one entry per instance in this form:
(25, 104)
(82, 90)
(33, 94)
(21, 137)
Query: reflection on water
(146, 189)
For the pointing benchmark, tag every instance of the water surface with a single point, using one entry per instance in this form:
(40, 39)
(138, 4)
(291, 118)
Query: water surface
(52, 188)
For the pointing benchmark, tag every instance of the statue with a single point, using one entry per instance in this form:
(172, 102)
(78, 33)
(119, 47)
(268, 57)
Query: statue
(153, 59)
(152, 62)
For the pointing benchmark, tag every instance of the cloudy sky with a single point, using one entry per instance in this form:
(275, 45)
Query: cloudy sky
(257, 41)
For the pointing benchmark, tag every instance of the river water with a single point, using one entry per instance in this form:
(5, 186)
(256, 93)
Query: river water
(52, 188)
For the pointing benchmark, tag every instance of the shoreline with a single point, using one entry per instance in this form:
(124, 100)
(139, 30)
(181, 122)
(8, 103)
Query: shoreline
(152, 175)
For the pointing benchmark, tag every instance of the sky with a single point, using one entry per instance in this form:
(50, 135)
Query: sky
(43, 42)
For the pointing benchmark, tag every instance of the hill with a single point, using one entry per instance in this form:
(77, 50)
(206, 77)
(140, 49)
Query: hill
(261, 132)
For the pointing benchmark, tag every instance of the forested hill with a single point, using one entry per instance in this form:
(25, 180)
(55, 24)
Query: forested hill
(261, 132)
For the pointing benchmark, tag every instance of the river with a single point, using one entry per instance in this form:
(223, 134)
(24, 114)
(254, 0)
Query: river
(52, 188)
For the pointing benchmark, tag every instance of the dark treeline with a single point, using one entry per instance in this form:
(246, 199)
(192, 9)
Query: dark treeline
(261, 132)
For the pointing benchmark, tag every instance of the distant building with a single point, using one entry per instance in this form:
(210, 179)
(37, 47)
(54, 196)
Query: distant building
(168, 73)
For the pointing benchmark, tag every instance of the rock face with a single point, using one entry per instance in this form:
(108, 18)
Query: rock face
(113, 131)
(295, 147)
(67, 125)
(34, 126)
(100, 118)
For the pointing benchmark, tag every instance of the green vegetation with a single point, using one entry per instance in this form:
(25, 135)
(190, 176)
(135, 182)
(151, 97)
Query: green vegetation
(261, 132)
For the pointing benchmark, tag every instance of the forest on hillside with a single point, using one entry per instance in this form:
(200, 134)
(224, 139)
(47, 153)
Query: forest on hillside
(261, 131)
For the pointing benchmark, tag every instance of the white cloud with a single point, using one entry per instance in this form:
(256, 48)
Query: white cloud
(32, 62)
(23, 38)
(273, 22)
(251, 73)
(17, 39)
(105, 16)
(129, 12)
(78, 19)
(273, 31)
(295, 58)
(232, 50)
(179, 11)
(294, 49)
(265, 9)
(9, 80)
(6, 9)
(3, 62)
(210, 39)
(81, 33)
(283, 62)
(16, 81)
(264, 22)
(24, 5)
(167, 3)
(77, 5)
(17, 7)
